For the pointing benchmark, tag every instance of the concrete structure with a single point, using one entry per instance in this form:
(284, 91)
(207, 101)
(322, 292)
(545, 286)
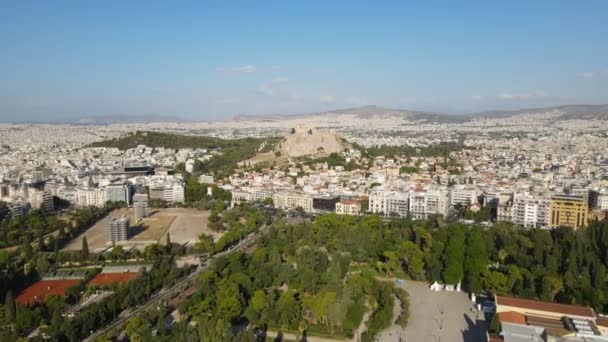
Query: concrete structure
(119, 193)
(325, 203)
(348, 207)
(170, 193)
(525, 320)
(292, 200)
(90, 196)
(248, 195)
(41, 199)
(531, 210)
(118, 230)
(464, 196)
(568, 210)
(389, 203)
(139, 210)
(423, 203)
(205, 179)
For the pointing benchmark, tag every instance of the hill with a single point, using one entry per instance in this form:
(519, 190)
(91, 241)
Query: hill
(565, 112)
(231, 151)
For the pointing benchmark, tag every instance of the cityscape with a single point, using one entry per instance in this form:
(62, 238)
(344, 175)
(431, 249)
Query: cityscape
(230, 203)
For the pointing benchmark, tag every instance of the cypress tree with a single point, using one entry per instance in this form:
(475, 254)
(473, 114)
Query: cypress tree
(9, 304)
(85, 248)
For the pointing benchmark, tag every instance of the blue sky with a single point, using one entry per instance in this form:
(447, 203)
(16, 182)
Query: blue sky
(213, 59)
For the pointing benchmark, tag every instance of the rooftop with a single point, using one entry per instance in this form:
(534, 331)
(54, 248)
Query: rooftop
(565, 309)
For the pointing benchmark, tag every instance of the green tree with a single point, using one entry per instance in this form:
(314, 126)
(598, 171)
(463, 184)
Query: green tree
(476, 260)
(85, 249)
(9, 305)
(454, 255)
(288, 309)
(160, 323)
(138, 329)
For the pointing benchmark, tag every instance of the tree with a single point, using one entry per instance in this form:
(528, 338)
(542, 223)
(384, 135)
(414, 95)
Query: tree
(168, 239)
(41, 245)
(495, 282)
(454, 256)
(9, 304)
(138, 329)
(85, 249)
(160, 324)
(27, 249)
(476, 260)
(228, 304)
(288, 309)
(551, 285)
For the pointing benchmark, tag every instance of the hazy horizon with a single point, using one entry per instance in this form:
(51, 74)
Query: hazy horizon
(216, 60)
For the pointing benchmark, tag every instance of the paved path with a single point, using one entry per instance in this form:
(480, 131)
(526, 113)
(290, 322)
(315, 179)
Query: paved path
(437, 317)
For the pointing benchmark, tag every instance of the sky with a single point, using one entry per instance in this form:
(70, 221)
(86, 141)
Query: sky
(210, 60)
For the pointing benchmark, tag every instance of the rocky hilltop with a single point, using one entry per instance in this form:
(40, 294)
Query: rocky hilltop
(308, 141)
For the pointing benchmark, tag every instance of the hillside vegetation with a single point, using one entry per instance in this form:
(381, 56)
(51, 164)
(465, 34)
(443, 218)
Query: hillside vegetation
(231, 151)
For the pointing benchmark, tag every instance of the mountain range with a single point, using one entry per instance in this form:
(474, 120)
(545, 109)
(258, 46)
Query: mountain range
(565, 112)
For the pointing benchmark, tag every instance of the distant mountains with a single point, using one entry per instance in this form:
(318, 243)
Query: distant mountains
(109, 119)
(565, 112)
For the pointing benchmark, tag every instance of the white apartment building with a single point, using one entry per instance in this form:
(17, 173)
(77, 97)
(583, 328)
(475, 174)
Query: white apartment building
(423, 203)
(174, 193)
(598, 199)
(389, 203)
(91, 196)
(41, 199)
(462, 195)
(208, 179)
(531, 210)
(292, 200)
(348, 207)
(249, 195)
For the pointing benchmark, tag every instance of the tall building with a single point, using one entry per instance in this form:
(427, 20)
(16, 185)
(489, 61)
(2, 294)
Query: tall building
(91, 196)
(389, 203)
(531, 210)
(119, 193)
(569, 211)
(462, 195)
(139, 210)
(41, 199)
(140, 203)
(423, 203)
(118, 229)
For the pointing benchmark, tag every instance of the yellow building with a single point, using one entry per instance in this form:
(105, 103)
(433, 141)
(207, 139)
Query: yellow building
(568, 211)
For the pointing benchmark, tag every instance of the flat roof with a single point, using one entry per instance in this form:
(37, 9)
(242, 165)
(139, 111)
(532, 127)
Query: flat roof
(565, 309)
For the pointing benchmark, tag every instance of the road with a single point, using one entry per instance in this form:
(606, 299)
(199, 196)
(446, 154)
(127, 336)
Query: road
(170, 292)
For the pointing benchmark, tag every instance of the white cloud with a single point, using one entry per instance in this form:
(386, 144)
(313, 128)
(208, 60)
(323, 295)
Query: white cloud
(477, 97)
(523, 96)
(587, 74)
(245, 69)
